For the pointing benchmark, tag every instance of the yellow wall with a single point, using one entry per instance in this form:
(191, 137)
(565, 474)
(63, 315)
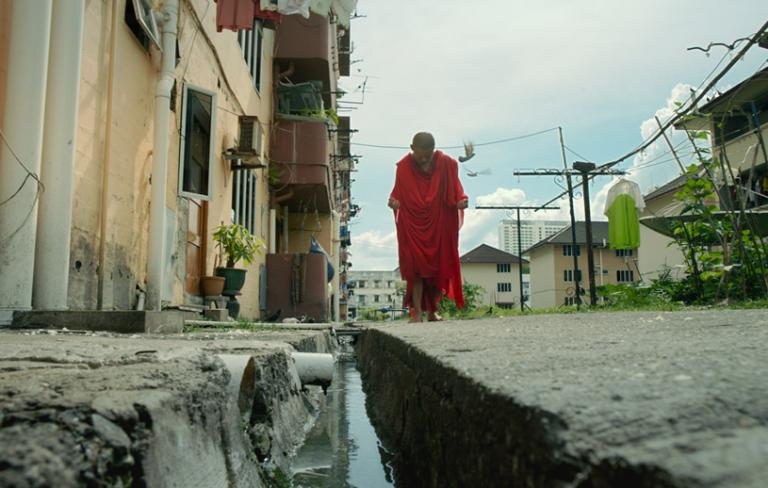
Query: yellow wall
(485, 275)
(549, 289)
(209, 60)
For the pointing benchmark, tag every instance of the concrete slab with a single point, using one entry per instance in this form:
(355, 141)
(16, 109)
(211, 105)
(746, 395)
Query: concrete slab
(94, 408)
(120, 321)
(603, 399)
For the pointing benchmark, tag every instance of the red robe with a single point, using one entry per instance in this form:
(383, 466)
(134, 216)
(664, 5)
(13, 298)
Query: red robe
(428, 223)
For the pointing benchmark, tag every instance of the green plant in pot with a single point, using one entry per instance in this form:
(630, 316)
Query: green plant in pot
(237, 244)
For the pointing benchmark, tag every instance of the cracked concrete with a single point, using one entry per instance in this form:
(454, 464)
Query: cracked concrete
(588, 400)
(96, 409)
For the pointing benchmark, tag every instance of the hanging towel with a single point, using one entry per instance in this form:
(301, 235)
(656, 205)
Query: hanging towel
(622, 206)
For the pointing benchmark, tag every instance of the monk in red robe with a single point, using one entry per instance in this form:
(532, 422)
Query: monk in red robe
(429, 202)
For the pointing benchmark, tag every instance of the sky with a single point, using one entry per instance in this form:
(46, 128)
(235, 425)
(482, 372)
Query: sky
(600, 71)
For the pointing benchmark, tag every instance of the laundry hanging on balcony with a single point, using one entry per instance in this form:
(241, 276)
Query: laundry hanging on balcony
(238, 15)
(342, 8)
(622, 206)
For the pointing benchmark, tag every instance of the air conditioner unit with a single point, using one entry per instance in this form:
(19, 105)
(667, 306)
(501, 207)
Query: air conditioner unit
(250, 135)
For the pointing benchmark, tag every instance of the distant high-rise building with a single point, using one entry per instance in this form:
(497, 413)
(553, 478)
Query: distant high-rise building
(531, 232)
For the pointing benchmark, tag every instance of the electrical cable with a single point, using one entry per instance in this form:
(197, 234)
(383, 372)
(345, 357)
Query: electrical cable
(498, 141)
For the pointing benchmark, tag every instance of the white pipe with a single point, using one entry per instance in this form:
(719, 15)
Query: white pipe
(22, 128)
(242, 379)
(336, 243)
(314, 368)
(54, 224)
(272, 231)
(156, 251)
(104, 302)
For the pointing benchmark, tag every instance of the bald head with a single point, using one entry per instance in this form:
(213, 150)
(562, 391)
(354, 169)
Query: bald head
(423, 140)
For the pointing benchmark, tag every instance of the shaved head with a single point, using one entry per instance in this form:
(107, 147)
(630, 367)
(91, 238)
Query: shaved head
(424, 140)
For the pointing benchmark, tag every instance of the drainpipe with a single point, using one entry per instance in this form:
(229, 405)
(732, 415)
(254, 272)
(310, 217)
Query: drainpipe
(104, 203)
(23, 130)
(272, 231)
(156, 251)
(54, 224)
(336, 240)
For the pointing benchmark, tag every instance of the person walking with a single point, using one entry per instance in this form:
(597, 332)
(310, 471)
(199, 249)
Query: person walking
(428, 202)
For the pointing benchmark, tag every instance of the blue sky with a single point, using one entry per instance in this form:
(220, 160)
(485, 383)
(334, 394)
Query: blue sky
(599, 70)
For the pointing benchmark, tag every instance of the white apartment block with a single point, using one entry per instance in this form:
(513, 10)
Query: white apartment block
(531, 232)
(373, 289)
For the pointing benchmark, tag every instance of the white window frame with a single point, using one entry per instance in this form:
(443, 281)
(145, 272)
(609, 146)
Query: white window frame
(211, 145)
(148, 21)
(246, 204)
(248, 40)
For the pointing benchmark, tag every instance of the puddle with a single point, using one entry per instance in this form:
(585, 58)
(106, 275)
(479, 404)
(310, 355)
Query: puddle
(343, 450)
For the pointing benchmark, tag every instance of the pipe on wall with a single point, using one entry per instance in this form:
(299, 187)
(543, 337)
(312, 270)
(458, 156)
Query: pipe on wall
(54, 224)
(157, 244)
(104, 205)
(21, 151)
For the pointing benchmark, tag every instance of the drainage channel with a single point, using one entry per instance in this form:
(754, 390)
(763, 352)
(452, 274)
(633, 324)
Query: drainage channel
(342, 449)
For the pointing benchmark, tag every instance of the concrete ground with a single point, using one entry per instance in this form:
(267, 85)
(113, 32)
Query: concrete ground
(99, 409)
(603, 399)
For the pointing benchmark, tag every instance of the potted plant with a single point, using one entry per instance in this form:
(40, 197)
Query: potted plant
(236, 243)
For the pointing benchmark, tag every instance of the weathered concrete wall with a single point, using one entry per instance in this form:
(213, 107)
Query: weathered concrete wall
(209, 60)
(589, 400)
(102, 410)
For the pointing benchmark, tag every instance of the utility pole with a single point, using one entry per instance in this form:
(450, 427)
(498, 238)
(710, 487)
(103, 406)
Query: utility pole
(519, 239)
(573, 220)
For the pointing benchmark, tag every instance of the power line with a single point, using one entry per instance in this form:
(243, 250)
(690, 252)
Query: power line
(498, 141)
(680, 114)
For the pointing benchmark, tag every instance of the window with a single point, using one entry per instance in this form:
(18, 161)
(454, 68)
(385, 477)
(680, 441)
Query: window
(142, 21)
(502, 287)
(570, 301)
(250, 44)
(625, 275)
(568, 275)
(361, 299)
(361, 284)
(506, 306)
(376, 298)
(568, 250)
(390, 284)
(376, 284)
(198, 122)
(244, 199)
(503, 268)
(623, 252)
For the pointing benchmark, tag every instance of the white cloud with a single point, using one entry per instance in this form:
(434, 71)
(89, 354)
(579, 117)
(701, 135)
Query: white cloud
(374, 250)
(502, 196)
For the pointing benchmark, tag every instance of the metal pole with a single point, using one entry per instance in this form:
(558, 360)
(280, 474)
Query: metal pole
(588, 225)
(520, 261)
(573, 221)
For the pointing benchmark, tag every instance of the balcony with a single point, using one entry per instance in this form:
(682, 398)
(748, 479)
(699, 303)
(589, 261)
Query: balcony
(304, 50)
(299, 151)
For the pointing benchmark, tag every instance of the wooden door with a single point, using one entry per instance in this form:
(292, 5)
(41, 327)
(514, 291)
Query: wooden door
(196, 245)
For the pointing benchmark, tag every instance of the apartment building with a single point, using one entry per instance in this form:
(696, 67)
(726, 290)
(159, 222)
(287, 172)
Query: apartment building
(374, 290)
(531, 232)
(497, 273)
(148, 125)
(553, 278)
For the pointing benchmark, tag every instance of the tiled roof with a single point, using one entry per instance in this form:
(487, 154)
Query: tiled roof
(599, 234)
(487, 254)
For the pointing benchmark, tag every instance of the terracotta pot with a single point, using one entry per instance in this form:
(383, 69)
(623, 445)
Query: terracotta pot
(211, 286)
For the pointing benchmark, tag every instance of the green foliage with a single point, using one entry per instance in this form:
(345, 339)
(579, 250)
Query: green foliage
(472, 295)
(723, 260)
(237, 243)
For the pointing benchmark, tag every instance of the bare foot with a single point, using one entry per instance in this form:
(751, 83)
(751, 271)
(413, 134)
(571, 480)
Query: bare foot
(416, 317)
(434, 317)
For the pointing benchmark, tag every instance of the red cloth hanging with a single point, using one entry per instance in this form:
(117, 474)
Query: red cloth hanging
(428, 223)
(235, 14)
